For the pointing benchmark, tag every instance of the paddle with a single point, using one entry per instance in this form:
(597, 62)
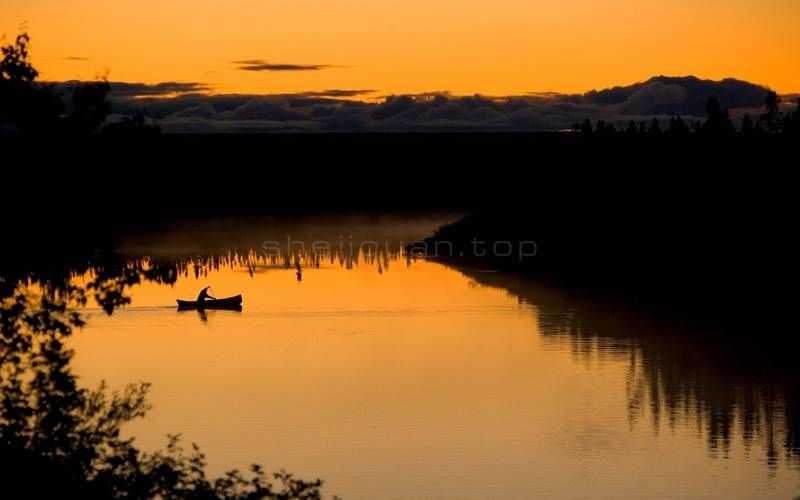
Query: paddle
(212, 293)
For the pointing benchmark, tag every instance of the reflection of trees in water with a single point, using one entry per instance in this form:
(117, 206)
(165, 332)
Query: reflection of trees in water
(60, 440)
(725, 387)
(109, 274)
(253, 262)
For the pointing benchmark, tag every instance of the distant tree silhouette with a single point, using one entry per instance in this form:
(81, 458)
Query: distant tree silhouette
(791, 122)
(718, 121)
(797, 111)
(771, 120)
(677, 126)
(28, 106)
(90, 107)
(747, 125)
(135, 125)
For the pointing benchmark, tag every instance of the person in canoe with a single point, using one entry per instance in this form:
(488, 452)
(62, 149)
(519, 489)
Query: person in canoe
(201, 298)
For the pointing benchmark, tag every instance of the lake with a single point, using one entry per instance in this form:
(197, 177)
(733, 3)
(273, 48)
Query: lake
(390, 376)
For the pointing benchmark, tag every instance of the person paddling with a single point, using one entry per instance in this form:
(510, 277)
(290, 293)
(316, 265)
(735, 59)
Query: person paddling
(204, 295)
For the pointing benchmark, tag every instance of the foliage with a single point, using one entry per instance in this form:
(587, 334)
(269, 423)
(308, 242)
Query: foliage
(28, 106)
(58, 440)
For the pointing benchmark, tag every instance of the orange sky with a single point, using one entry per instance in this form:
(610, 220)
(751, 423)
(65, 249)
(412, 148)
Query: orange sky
(464, 46)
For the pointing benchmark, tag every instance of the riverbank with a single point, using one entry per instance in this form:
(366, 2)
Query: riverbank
(710, 259)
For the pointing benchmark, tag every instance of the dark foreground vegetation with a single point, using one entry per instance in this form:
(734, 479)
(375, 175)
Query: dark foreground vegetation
(60, 440)
(27, 106)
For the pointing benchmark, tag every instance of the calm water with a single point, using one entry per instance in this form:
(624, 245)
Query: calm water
(397, 378)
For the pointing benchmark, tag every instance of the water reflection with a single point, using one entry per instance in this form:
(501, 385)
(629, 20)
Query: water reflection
(731, 393)
(723, 386)
(720, 385)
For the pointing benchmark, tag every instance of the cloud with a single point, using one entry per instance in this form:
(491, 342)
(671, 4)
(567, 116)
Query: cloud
(162, 99)
(188, 110)
(344, 92)
(678, 95)
(261, 65)
(157, 89)
(75, 58)
(654, 96)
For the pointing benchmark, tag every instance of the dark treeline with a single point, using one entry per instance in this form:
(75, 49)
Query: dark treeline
(712, 246)
(27, 106)
(718, 122)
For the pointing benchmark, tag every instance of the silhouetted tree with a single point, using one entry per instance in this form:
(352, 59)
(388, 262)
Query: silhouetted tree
(771, 120)
(655, 127)
(719, 121)
(642, 127)
(747, 124)
(677, 126)
(796, 118)
(791, 124)
(90, 107)
(631, 128)
(586, 127)
(135, 125)
(601, 127)
(27, 106)
(24, 106)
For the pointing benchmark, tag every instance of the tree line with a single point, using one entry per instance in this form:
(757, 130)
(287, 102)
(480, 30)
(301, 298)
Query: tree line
(27, 105)
(718, 122)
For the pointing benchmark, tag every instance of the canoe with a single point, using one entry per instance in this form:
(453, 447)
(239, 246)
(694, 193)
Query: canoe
(230, 303)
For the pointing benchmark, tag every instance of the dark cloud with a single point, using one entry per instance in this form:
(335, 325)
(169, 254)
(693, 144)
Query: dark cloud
(75, 58)
(188, 111)
(344, 92)
(157, 89)
(678, 95)
(125, 90)
(261, 65)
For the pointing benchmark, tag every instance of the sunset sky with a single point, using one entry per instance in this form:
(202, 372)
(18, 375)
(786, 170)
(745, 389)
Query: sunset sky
(501, 47)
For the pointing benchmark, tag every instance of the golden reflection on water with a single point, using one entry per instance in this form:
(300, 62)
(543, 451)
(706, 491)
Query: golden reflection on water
(422, 381)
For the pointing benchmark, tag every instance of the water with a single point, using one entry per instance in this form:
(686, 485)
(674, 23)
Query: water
(391, 377)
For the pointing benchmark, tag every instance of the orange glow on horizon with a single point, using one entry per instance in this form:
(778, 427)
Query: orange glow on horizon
(508, 47)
